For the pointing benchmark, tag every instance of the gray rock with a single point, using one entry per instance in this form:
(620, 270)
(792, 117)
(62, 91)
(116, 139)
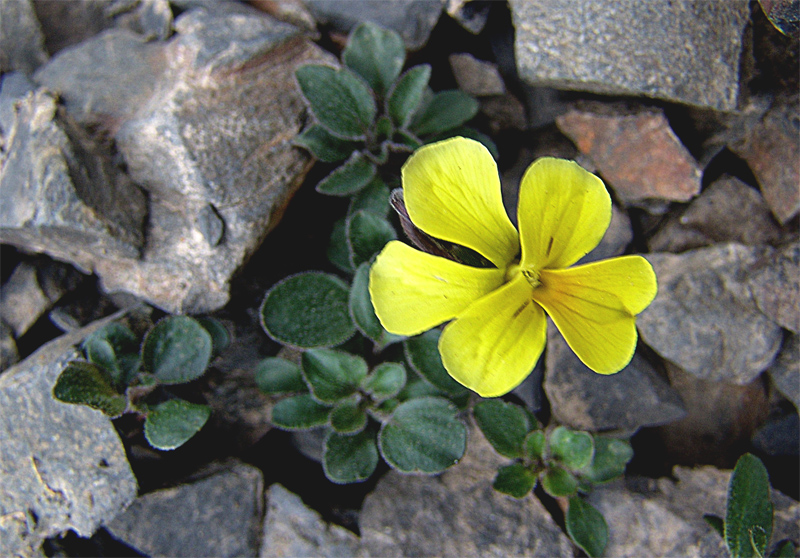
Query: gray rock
(728, 210)
(22, 301)
(457, 514)
(684, 51)
(476, 77)
(8, 347)
(778, 436)
(21, 40)
(217, 516)
(150, 18)
(59, 196)
(13, 87)
(291, 529)
(785, 371)
(471, 15)
(62, 466)
(775, 284)
(667, 519)
(635, 151)
(636, 396)
(704, 317)
(412, 19)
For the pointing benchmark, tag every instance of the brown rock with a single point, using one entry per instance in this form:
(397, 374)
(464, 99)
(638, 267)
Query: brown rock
(504, 112)
(476, 77)
(772, 149)
(637, 153)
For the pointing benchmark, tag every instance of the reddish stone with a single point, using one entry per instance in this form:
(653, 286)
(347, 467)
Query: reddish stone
(637, 153)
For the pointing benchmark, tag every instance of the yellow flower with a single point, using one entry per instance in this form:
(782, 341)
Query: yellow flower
(498, 332)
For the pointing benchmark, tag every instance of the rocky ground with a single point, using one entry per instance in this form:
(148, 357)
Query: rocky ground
(146, 156)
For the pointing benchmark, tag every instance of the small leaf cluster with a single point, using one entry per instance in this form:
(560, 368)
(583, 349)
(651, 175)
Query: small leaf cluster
(125, 374)
(366, 110)
(747, 527)
(564, 462)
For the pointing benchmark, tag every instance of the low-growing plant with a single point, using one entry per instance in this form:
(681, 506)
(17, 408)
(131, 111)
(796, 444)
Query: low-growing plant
(125, 374)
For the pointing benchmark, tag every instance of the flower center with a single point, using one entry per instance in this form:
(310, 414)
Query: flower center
(531, 274)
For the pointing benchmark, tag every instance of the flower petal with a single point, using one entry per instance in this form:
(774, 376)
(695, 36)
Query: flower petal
(594, 306)
(412, 291)
(563, 213)
(452, 192)
(494, 344)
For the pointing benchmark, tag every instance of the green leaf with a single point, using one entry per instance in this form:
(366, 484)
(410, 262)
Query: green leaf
(505, 425)
(533, 445)
(423, 436)
(716, 523)
(572, 448)
(299, 412)
(610, 458)
(109, 346)
(177, 350)
(348, 459)
(308, 310)
(325, 146)
(332, 375)
(171, 424)
(559, 482)
(749, 507)
(516, 480)
(446, 110)
(407, 93)
(348, 417)
(586, 527)
(422, 354)
(784, 549)
(353, 175)
(362, 311)
(374, 198)
(338, 252)
(385, 381)
(85, 383)
(376, 54)
(278, 376)
(367, 234)
(339, 99)
(220, 336)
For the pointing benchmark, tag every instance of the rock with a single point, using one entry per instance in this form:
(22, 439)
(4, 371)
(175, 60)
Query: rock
(13, 87)
(637, 152)
(785, 371)
(412, 19)
(504, 112)
(720, 419)
(21, 39)
(292, 529)
(634, 48)
(22, 301)
(457, 514)
(705, 318)
(727, 210)
(62, 466)
(206, 127)
(667, 519)
(8, 348)
(772, 149)
(636, 396)
(150, 18)
(294, 12)
(476, 77)
(775, 284)
(219, 515)
(778, 436)
(60, 196)
(471, 15)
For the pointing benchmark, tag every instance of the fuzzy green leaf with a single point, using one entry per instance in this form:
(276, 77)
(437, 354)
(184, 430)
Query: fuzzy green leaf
(172, 423)
(784, 549)
(385, 381)
(300, 412)
(339, 99)
(220, 336)
(422, 354)
(349, 178)
(534, 444)
(376, 54)
(446, 110)
(610, 458)
(586, 527)
(308, 310)
(572, 448)
(278, 376)
(516, 480)
(338, 252)
(407, 94)
(367, 234)
(325, 146)
(374, 198)
(423, 436)
(111, 347)
(177, 350)
(749, 508)
(85, 383)
(332, 375)
(347, 459)
(559, 482)
(505, 425)
(347, 417)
